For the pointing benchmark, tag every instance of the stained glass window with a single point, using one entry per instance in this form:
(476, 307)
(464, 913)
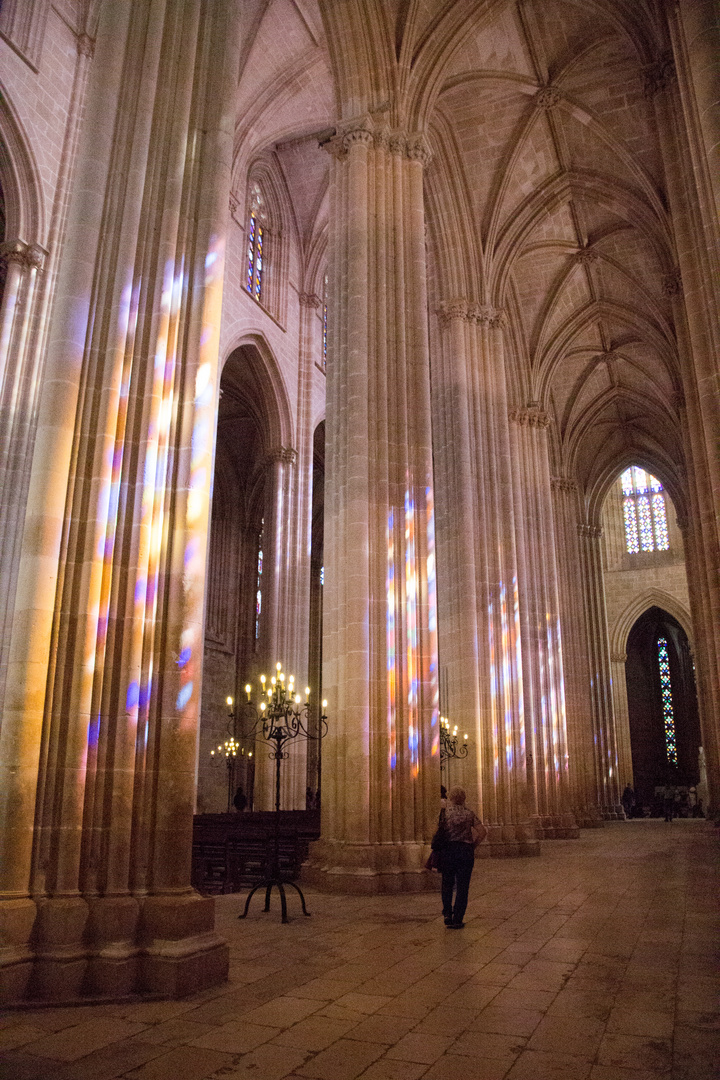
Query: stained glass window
(258, 582)
(644, 512)
(324, 332)
(667, 702)
(255, 241)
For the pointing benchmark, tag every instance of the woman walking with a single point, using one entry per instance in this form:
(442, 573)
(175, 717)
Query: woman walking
(464, 831)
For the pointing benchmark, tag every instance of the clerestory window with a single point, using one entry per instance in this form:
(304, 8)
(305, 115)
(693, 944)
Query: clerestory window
(256, 239)
(644, 512)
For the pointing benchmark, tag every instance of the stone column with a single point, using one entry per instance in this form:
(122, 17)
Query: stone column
(683, 88)
(381, 758)
(278, 623)
(99, 736)
(576, 660)
(542, 649)
(622, 719)
(604, 741)
(480, 611)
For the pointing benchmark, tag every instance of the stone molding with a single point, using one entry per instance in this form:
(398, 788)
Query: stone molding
(284, 455)
(459, 308)
(234, 204)
(659, 75)
(29, 256)
(365, 131)
(85, 46)
(311, 300)
(672, 283)
(532, 416)
(548, 97)
(618, 658)
(586, 257)
(565, 484)
(590, 532)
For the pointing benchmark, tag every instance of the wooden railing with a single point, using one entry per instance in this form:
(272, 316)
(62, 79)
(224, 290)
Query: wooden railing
(231, 851)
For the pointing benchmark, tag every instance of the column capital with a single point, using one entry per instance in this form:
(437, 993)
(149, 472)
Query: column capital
(531, 416)
(29, 256)
(618, 658)
(590, 532)
(418, 149)
(487, 315)
(311, 300)
(565, 484)
(452, 309)
(282, 455)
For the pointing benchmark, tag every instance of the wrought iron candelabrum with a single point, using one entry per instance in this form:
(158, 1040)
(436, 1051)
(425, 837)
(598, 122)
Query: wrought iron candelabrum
(450, 744)
(278, 718)
(228, 751)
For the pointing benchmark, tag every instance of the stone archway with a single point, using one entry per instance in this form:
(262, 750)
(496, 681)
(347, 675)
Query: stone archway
(657, 756)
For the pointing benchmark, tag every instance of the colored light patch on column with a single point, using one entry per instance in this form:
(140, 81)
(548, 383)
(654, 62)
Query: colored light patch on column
(390, 640)
(432, 624)
(411, 632)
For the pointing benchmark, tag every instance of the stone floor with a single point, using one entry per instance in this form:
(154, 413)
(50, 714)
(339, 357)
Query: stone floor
(597, 960)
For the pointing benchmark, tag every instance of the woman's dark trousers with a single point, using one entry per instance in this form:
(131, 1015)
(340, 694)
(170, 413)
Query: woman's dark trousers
(457, 865)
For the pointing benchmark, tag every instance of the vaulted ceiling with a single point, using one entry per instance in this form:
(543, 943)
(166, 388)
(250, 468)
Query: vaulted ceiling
(545, 195)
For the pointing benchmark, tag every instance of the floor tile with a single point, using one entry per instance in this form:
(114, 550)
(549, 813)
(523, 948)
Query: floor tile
(635, 1052)
(420, 1046)
(344, 1060)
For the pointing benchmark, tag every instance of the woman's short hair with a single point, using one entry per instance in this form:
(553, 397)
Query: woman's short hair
(456, 795)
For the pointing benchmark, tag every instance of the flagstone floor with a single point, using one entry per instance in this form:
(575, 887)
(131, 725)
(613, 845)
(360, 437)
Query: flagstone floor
(596, 961)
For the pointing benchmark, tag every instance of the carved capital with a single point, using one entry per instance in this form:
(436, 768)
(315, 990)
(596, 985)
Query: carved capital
(283, 455)
(397, 142)
(658, 75)
(590, 532)
(618, 658)
(310, 300)
(334, 147)
(532, 416)
(85, 46)
(418, 149)
(548, 97)
(672, 283)
(452, 309)
(565, 484)
(358, 133)
(28, 256)
(487, 315)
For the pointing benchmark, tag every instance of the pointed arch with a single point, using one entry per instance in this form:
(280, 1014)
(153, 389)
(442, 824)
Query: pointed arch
(650, 598)
(20, 179)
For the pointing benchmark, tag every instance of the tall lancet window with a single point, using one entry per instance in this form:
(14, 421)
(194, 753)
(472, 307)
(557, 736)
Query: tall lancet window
(256, 237)
(667, 701)
(644, 512)
(258, 581)
(325, 324)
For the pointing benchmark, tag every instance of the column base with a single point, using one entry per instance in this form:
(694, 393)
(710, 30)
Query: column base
(72, 950)
(368, 869)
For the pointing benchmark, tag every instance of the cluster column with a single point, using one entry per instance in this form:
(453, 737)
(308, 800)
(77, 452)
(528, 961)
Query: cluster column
(480, 612)
(604, 741)
(98, 743)
(381, 758)
(543, 665)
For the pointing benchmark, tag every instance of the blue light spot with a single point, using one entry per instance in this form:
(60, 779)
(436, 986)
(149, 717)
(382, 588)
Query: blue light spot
(184, 657)
(133, 694)
(184, 696)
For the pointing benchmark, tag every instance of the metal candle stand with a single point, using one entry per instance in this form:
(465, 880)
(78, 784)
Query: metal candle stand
(449, 746)
(279, 719)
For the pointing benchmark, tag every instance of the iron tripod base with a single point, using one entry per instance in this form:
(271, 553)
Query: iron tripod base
(268, 887)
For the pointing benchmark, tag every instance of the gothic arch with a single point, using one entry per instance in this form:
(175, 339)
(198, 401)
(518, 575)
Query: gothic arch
(638, 606)
(20, 179)
(265, 373)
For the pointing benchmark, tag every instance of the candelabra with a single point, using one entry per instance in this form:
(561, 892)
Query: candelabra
(227, 751)
(450, 747)
(278, 718)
